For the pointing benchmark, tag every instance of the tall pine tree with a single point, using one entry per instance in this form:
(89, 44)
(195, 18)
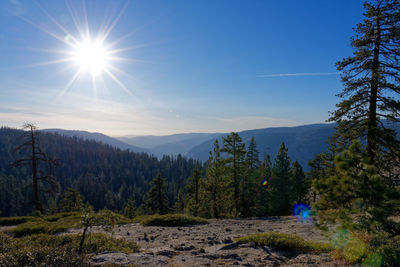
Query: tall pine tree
(157, 200)
(217, 184)
(250, 181)
(372, 82)
(262, 205)
(193, 190)
(280, 188)
(301, 183)
(235, 150)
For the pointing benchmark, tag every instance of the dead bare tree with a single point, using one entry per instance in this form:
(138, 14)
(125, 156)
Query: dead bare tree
(34, 157)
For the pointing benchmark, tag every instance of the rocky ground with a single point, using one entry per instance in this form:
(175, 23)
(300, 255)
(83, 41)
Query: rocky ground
(212, 245)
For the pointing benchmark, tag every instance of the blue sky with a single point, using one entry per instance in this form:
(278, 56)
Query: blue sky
(189, 66)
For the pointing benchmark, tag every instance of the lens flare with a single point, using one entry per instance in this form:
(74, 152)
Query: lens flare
(303, 213)
(264, 182)
(340, 238)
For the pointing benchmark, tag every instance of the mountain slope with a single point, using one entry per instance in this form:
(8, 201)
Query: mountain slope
(303, 142)
(170, 144)
(99, 137)
(106, 176)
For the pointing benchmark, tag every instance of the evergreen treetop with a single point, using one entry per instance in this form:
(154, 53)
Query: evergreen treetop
(157, 200)
(371, 82)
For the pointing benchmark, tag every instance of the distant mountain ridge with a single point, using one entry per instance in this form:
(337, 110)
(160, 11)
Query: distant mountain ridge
(303, 142)
(98, 137)
(170, 144)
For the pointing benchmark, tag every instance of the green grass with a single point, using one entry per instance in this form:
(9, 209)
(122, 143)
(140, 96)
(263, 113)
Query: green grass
(112, 217)
(6, 221)
(51, 250)
(94, 243)
(58, 216)
(170, 220)
(48, 227)
(61, 222)
(286, 242)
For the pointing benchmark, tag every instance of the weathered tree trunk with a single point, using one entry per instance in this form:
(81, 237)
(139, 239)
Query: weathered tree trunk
(87, 224)
(372, 119)
(38, 206)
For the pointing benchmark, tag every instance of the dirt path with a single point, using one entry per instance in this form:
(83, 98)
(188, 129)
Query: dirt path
(212, 245)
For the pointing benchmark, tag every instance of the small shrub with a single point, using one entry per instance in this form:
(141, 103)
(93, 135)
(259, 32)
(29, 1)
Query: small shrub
(41, 226)
(58, 216)
(48, 224)
(108, 217)
(51, 250)
(286, 242)
(61, 222)
(38, 251)
(384, 247)
(172, 220)
(99, 243)
(140, 218)
(6, 221)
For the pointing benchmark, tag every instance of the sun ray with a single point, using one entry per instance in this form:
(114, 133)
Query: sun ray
(75, 19)
(95, 90)
(85, 18)
(130, 34)
(111, 27)
(69, 84)
(91, 55)
(56, 22)
(42, 29)
(112, 76)
(137, 90)
(40, 64)
(119, 50)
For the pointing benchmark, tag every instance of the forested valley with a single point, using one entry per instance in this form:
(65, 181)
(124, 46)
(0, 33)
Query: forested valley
(232, 183)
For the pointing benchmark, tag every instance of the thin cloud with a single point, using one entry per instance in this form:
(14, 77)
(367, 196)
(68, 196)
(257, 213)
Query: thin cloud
(298, 74)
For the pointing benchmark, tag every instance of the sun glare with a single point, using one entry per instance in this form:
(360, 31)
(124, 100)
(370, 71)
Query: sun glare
(91, 56)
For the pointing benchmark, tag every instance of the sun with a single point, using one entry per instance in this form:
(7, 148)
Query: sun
(91, 57)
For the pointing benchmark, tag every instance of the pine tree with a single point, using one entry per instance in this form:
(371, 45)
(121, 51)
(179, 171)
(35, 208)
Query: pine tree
(372, 82)
(262, 205)
(301, 184)
(129, 210)
(281, 185)
(179, 205)
(217, 184)
(321, 167)
(193, 190)
(157, 200)
(250, 181)
(252, 155)
(71, 200)
(355, 196)
(235, 150)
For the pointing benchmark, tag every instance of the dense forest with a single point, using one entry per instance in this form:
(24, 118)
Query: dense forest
(232, 183)
(106, 177)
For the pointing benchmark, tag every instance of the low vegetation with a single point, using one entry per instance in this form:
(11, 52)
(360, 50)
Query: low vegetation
(60, 222)
(170, 220)
(51, 250)
(33, 241)
(6, 221)
(286, 242)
